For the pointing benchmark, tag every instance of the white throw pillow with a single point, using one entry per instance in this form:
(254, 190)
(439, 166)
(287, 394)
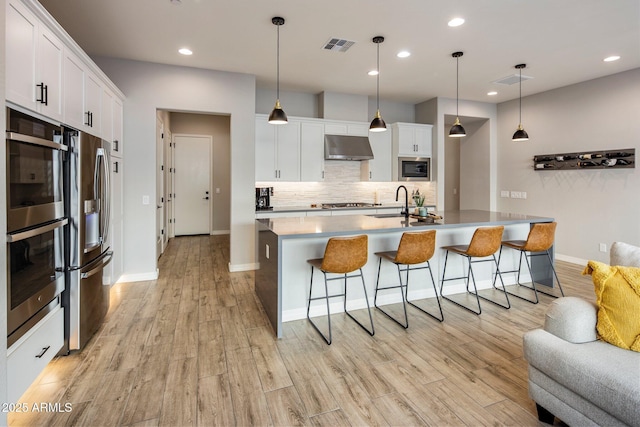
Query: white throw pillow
(625, 254)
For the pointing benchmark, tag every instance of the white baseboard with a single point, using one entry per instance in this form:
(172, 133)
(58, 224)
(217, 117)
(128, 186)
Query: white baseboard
(138, 277)
(572, 260)
(389, 297)
(233, 268)
(220, 232)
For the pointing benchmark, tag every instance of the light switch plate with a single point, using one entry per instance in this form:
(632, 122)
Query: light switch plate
(504, 193)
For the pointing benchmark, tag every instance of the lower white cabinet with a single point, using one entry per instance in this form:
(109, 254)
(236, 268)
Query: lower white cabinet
(116, 266)
(31, 353)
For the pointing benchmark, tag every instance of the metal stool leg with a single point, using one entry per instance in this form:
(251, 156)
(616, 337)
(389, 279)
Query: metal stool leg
(366, 298)
(326, 298)
(556, 276)
(441, 318)
(469, 274)
(404, 305)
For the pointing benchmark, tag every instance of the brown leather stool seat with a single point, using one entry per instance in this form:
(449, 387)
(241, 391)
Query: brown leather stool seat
(484, 244)
(539, 241)
(342, 255)
(415, 248)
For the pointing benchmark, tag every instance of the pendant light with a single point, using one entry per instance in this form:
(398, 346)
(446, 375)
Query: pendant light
(520, 134)
(377, 124)
(457, 131)
(278, 116)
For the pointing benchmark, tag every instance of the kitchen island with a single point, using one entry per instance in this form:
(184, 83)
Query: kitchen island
(284, 244)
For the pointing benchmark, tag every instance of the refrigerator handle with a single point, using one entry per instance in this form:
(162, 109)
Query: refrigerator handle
(100, 264)
(107, 195)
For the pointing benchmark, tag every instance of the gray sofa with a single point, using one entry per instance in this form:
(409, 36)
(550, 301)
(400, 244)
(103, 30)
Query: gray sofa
(576, 377)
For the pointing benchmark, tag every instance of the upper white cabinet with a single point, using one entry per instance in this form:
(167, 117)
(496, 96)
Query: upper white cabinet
(411, 139)
(34, 58)
(83, 96)
(277, 150)
(378, 169)
(346, 128)
(311, 151)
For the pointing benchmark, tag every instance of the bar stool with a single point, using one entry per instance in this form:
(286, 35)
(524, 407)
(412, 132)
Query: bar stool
(484, 243)
(414, 248)
(342, 255)
(540, 239)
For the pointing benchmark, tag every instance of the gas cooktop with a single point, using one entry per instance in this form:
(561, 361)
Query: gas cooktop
(346, 205)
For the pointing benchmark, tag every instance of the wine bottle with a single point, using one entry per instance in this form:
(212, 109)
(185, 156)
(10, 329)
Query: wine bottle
(587, 164)
(609, 162)
(624, 162)
(542, 159)
(544, 166)
(618, 154)
(589, 156)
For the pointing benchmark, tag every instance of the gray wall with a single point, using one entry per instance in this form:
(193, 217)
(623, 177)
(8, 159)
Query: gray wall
(149, 87)
(475, 166)
(218, 127)
(591, 206)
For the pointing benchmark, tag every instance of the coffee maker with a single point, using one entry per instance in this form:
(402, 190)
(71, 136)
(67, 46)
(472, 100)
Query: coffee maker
(263, 198)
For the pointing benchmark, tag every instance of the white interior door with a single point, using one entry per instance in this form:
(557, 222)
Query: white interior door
(159, 188)
(192, 201)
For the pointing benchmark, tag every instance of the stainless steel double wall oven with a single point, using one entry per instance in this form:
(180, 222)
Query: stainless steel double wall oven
(35, 221)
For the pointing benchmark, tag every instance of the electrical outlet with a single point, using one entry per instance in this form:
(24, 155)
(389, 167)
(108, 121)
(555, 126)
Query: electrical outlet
(603, 247)
(145, 200)
(523, 195)
(514, 195)
(504, 193)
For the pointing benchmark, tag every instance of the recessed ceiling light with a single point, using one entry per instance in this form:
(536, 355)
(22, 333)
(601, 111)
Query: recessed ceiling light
(456, 22)
(185, 51)
(492, 93)
(404, 54)
(373, 73)
(611, 58)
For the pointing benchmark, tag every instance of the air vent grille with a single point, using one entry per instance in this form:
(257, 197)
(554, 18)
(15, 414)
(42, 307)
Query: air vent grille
(512, 79)
(338, 45)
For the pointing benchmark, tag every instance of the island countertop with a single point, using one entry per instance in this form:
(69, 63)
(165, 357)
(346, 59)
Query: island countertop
(300, 227)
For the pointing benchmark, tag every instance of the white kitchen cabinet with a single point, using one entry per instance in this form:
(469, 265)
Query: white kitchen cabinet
(34, 58)
(73, 90)
(106, 115)
(32, 352)
(378, 169)
(92, 104)
(411, 139)
(116, 239)
(311, 151)
(82, 96)
(117, 140)
(277, 151)
(346, 128)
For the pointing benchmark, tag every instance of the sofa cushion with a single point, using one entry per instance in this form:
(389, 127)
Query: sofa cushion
(624, 254)
(572, 319)
(618, 298)
(605, 375)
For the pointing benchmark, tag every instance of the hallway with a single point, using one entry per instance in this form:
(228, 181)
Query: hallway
(195, 348)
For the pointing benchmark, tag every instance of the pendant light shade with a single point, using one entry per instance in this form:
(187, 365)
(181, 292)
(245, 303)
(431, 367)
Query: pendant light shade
(457, 131)
(378, 124)
(278, 116)
(520, 134)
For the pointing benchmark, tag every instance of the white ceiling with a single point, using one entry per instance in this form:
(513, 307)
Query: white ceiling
(561, 41)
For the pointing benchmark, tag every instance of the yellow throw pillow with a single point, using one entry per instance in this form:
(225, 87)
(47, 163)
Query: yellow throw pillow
(618, 298)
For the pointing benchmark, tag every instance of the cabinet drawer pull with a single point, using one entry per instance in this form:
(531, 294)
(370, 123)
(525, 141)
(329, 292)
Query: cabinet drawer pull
(44, 350)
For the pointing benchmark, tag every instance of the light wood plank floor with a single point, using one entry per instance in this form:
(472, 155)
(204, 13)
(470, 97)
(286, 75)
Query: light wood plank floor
(195, 348)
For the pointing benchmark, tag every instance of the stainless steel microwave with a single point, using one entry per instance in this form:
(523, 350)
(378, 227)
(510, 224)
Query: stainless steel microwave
(414, 169)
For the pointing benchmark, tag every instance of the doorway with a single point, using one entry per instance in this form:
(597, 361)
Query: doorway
(192, 196)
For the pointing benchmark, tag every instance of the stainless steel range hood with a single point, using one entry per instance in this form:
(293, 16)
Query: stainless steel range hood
(340, 147)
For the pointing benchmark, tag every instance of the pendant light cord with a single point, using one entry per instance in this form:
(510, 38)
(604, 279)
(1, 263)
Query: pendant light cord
(457, 92)
(520, 116)
(378, 77)
(278, 65)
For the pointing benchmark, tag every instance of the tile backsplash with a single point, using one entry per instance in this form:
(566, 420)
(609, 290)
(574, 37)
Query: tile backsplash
(342, 184)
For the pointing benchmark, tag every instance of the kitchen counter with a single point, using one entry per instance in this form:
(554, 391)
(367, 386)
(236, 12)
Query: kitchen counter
(284, 245)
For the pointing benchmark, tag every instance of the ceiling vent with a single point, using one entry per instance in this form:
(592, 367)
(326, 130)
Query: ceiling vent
(512, 79)
(338, 45)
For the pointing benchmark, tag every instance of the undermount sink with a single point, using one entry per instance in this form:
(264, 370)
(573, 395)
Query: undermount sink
(387, 215)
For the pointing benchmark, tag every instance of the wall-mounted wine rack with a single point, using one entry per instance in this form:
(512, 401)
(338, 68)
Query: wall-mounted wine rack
(604, 159)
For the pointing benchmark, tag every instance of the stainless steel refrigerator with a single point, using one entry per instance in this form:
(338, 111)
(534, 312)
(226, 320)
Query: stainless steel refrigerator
(88, 208)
